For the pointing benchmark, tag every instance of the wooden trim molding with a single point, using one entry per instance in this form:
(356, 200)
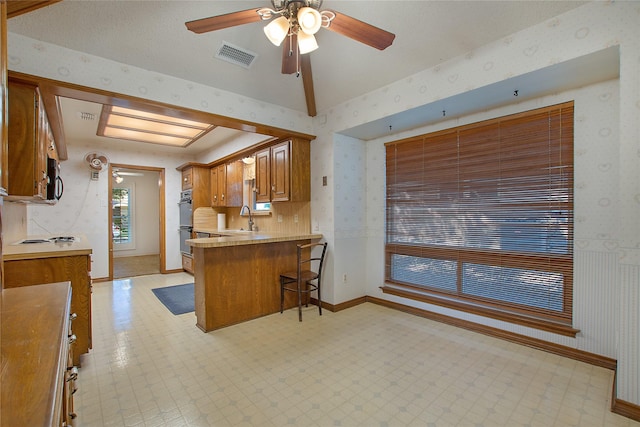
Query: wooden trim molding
(339, 307)
(53, 88)
(572, 353)
(621, 407)
(19, 7)
(557, 328)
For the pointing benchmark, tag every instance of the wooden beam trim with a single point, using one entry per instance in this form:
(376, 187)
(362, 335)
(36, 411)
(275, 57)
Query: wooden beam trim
(51, 87)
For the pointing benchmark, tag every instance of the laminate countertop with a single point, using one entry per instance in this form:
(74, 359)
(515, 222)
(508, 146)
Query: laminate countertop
(35, 325)
(47, 249)
(244, 237)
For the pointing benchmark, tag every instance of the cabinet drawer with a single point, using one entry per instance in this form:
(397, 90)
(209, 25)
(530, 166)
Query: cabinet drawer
(187, 263)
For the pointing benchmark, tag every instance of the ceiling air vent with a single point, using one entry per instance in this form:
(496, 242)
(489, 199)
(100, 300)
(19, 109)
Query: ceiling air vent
(236, 55)
(86, 116)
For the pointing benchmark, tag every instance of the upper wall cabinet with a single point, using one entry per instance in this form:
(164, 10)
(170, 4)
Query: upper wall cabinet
(187, 179)
(218, 185)
(234, 183)
(195, 177)
(29, 141)
(283, 172)
(226, 184)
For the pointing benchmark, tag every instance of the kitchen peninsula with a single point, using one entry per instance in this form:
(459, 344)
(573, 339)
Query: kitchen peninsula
(237, 275)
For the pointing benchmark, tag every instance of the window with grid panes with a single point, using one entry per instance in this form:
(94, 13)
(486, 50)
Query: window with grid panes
(480, 217)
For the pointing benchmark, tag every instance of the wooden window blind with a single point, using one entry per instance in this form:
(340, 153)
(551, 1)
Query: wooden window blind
(483, 214)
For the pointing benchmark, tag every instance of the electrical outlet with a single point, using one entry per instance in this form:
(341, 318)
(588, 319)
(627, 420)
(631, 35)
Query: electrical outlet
(295, 218)
(279, 218)
(344, 278)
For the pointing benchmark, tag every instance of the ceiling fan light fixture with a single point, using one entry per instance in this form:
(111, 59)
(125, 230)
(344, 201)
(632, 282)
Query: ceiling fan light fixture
(117, 178)
(309, 20)
(306, 43)
(277, 30)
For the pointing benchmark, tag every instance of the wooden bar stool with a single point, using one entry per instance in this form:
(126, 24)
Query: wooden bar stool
(300, 280)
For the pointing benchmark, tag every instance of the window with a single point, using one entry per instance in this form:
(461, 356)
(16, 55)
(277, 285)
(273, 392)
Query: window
(121, 205)
(480, 218)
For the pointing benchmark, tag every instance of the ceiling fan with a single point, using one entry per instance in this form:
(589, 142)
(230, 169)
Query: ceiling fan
(296, 22)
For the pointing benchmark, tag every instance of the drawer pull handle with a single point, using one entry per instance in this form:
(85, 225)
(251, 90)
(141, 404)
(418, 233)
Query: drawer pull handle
(73, 373)
(72, 338)
(73, 316)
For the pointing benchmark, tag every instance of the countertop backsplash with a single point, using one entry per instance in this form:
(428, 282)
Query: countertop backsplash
(290, 217)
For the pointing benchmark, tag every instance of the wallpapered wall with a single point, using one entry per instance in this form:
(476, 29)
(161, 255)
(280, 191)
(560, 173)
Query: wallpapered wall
(347, 210)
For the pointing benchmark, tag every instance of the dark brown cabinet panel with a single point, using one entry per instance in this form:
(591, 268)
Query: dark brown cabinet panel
(234, 183)
(218, 185)
(263, 176)
(29, 138)
(282, 172)
(75, 269)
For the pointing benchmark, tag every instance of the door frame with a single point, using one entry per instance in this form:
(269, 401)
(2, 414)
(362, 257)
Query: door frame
(161, 208)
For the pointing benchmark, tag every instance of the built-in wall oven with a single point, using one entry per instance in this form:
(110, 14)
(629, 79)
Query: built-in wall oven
(186, 220)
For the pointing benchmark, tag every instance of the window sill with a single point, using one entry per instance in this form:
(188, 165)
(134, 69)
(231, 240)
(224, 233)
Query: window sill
(541, 324)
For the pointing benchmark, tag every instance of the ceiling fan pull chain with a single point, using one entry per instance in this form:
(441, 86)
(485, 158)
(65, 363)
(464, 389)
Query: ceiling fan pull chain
(297, 62)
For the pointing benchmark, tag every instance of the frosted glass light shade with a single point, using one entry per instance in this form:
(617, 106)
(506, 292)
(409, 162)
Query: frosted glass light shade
(277, 30)
(306, 43)
(309, 20)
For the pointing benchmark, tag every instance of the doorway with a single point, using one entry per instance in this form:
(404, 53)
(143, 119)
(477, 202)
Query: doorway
(136, 221)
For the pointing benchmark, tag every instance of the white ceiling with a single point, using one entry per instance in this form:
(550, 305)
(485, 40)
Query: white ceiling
(152, 35)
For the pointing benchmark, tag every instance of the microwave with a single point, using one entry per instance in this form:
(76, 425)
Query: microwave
(55, 186)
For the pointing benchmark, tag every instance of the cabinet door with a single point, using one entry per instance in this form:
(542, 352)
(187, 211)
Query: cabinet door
(26, 168)
(214, 186)
(218, 185)
(28, 272)
(222, 185)
(44, 131)
(263, 176)
(234, 183)
(280, 168)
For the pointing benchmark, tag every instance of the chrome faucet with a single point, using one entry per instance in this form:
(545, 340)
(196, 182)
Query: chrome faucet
(250, 218)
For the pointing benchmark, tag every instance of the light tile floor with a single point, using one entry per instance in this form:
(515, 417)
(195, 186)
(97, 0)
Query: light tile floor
(364, 366)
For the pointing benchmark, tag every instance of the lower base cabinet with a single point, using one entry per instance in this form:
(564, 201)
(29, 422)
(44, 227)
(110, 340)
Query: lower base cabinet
(38, 376)
(187, 263)
(73, 268)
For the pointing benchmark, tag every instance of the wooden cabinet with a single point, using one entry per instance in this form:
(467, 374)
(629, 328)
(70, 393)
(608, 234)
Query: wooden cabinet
(283, 172)
(218, 185)
(280, 170)
(3, 98)
(73, 268)
(263, 176)
(234, 183)
(187, 179)
(195, 177)
(187, 263)
(29, 138)
(37, 381)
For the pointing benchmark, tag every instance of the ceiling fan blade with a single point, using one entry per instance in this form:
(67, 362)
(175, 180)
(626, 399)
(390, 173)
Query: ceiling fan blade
(307, 83)
(290, 56)
(227, 20)
(361, 31)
